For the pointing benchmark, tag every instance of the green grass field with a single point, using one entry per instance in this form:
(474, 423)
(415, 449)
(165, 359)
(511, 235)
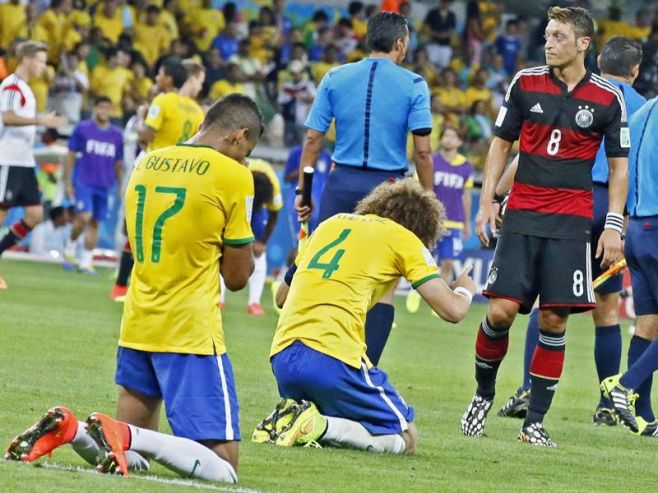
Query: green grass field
(58, 334)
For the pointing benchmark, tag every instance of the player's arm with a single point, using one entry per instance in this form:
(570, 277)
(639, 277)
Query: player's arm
(423, 160)
(118, 169)
(419, 123)
(449, 303)
(507, 180)
(152, 122)
(145, 136)
(237, 266)
(282, 292)
(50, 120)
(468, 205)
(493, 169)
(69, 164)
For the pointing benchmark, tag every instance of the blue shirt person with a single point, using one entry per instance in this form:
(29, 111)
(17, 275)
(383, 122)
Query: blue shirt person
(374, 103)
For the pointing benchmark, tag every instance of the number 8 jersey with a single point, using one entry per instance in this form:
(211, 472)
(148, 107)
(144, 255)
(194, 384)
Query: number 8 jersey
(348, 264)
(183, 204)
(559, 134)
(174, 118)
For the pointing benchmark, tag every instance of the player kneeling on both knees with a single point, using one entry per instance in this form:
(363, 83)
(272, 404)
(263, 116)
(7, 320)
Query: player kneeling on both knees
(331, 393)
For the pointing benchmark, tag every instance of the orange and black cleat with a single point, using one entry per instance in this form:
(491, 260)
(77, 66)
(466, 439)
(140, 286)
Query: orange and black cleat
(113, 439)
(56, 428)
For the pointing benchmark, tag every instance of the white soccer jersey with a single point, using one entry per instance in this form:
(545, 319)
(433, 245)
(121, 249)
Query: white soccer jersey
(17, 142)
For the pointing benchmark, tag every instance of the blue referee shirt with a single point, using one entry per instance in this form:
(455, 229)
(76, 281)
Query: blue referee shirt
(642, 170)
(376, 103)
(634, 101)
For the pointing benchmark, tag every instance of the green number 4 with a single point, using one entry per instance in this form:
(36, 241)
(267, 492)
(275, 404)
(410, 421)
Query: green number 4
(329, 267)
(156, 247)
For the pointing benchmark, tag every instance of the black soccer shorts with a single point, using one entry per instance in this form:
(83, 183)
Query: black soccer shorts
(558, 271)
(18, 187)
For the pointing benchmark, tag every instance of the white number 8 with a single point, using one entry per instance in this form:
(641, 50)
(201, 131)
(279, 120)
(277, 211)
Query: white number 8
(578, 283)
(554, 142)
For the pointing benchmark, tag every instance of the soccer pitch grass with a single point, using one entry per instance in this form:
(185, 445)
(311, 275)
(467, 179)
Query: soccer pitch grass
(58, 334)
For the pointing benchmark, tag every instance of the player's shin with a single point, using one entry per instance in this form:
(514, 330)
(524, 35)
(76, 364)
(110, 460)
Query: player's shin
(86, 447)
(17, 232)
(643, 403)
(490, 349)
(345, 433)
(186, 457)
(546, 369)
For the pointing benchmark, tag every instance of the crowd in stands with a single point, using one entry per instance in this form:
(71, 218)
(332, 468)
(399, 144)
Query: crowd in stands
(114, 47)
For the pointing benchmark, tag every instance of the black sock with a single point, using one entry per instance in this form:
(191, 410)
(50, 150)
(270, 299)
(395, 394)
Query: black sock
(125, 268)
(16, 233)
(379, 321)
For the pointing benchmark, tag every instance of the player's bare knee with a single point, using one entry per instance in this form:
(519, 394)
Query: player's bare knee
(410, 437)
(646, 327)
(606, 311)
(553, 320)
(33, 215)
(501, 315)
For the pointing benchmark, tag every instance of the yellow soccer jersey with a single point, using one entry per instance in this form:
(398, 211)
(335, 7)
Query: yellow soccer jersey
(183, 203)
(174, 118)
(349, 263)
(265, 167)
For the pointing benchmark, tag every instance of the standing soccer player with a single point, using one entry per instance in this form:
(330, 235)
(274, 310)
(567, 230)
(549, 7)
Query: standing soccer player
(319, 349)
(188, 206)
(375, 104)
(173, 116)
(453, 181)
(640, 250)
(18, 182)
(560, 113)
(93, 166)
(619, 62)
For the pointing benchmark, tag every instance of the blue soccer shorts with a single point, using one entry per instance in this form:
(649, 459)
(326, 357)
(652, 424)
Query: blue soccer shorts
(92, 199)
(614, 284)
(339, 390)
(642, 257)
(198, 391)
(450, 246)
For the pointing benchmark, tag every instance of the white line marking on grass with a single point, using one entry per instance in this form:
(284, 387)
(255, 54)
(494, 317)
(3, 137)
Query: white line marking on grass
(157, 479)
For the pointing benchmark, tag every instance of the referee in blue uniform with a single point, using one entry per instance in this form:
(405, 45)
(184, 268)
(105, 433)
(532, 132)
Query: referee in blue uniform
(641, 252)
(375, 104)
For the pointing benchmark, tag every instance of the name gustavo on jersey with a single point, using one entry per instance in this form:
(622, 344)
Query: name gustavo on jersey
(174, 165)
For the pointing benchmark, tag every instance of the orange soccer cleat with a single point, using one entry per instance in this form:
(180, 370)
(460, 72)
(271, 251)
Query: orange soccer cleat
(255, 309)
(118, 293)
(56, 428)
(113, 439)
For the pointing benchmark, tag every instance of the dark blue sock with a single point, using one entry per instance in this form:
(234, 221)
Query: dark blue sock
(607, 354)
(643, 404)
(531, 340)
(379, 321)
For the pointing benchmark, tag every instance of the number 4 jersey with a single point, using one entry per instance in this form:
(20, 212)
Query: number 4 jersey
(559, 135)
(183, 204)
(348, 264)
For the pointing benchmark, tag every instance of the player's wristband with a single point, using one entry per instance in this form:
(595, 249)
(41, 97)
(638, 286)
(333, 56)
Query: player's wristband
(499, 198)
(462, 291)
(614, 221)
(299, 191)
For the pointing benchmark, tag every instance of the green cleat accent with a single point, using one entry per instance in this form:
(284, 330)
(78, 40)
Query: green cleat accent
(647, 429)
(604, 416)
(517, 405)
(307, 427)
(622, 399)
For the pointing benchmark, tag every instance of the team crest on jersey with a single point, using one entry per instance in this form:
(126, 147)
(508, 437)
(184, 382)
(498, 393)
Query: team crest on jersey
(493, 275)
(585, 116)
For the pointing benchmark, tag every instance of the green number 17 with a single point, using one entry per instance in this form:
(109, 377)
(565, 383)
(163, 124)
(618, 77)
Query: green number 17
(156, 246)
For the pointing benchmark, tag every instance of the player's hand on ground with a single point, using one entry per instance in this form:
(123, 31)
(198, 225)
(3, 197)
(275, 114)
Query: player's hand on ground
(259, 248)
(303, 212)
(486, 216)
(465, 280)
(610, 248)
(69, 190)
(53, 120)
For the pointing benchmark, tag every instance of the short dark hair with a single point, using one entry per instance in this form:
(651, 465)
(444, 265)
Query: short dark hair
(56, 212)
(355, 7)
(579, 18)
(234, 112)
(101, 99)
(320, 15)
(453, 128)
(383, 29)
(263, 190)
(619, 55)
(175, 69)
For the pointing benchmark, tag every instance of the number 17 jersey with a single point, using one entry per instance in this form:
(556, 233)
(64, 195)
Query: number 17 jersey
(183, 204)
(349, 263)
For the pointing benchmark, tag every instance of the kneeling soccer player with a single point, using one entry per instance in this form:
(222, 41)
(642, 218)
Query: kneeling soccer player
(331, 392)
(187, 207)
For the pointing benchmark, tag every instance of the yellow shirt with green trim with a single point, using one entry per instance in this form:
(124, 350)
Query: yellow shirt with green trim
(174, 118)
(348, 264)
(183, 204)
(264, 167)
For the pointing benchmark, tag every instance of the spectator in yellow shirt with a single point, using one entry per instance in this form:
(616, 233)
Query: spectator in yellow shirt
(329, 61)
(204, 24)
(139, 92)
(112, 79)
(151, 37)
(476, 91)
(109, 19)
(450, 96)
(357, 13)
(169, 19)
(232, 84)
(54, 26)
(80, 18)
(13, 19)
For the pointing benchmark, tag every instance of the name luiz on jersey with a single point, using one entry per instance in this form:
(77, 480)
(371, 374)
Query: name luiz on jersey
(174, 164)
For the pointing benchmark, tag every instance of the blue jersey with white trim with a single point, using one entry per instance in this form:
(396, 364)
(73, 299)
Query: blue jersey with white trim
(375, 104)
(642, 172)
(634, 101)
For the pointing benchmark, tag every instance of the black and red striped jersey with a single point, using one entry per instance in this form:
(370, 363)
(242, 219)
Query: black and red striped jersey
(559, 134)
